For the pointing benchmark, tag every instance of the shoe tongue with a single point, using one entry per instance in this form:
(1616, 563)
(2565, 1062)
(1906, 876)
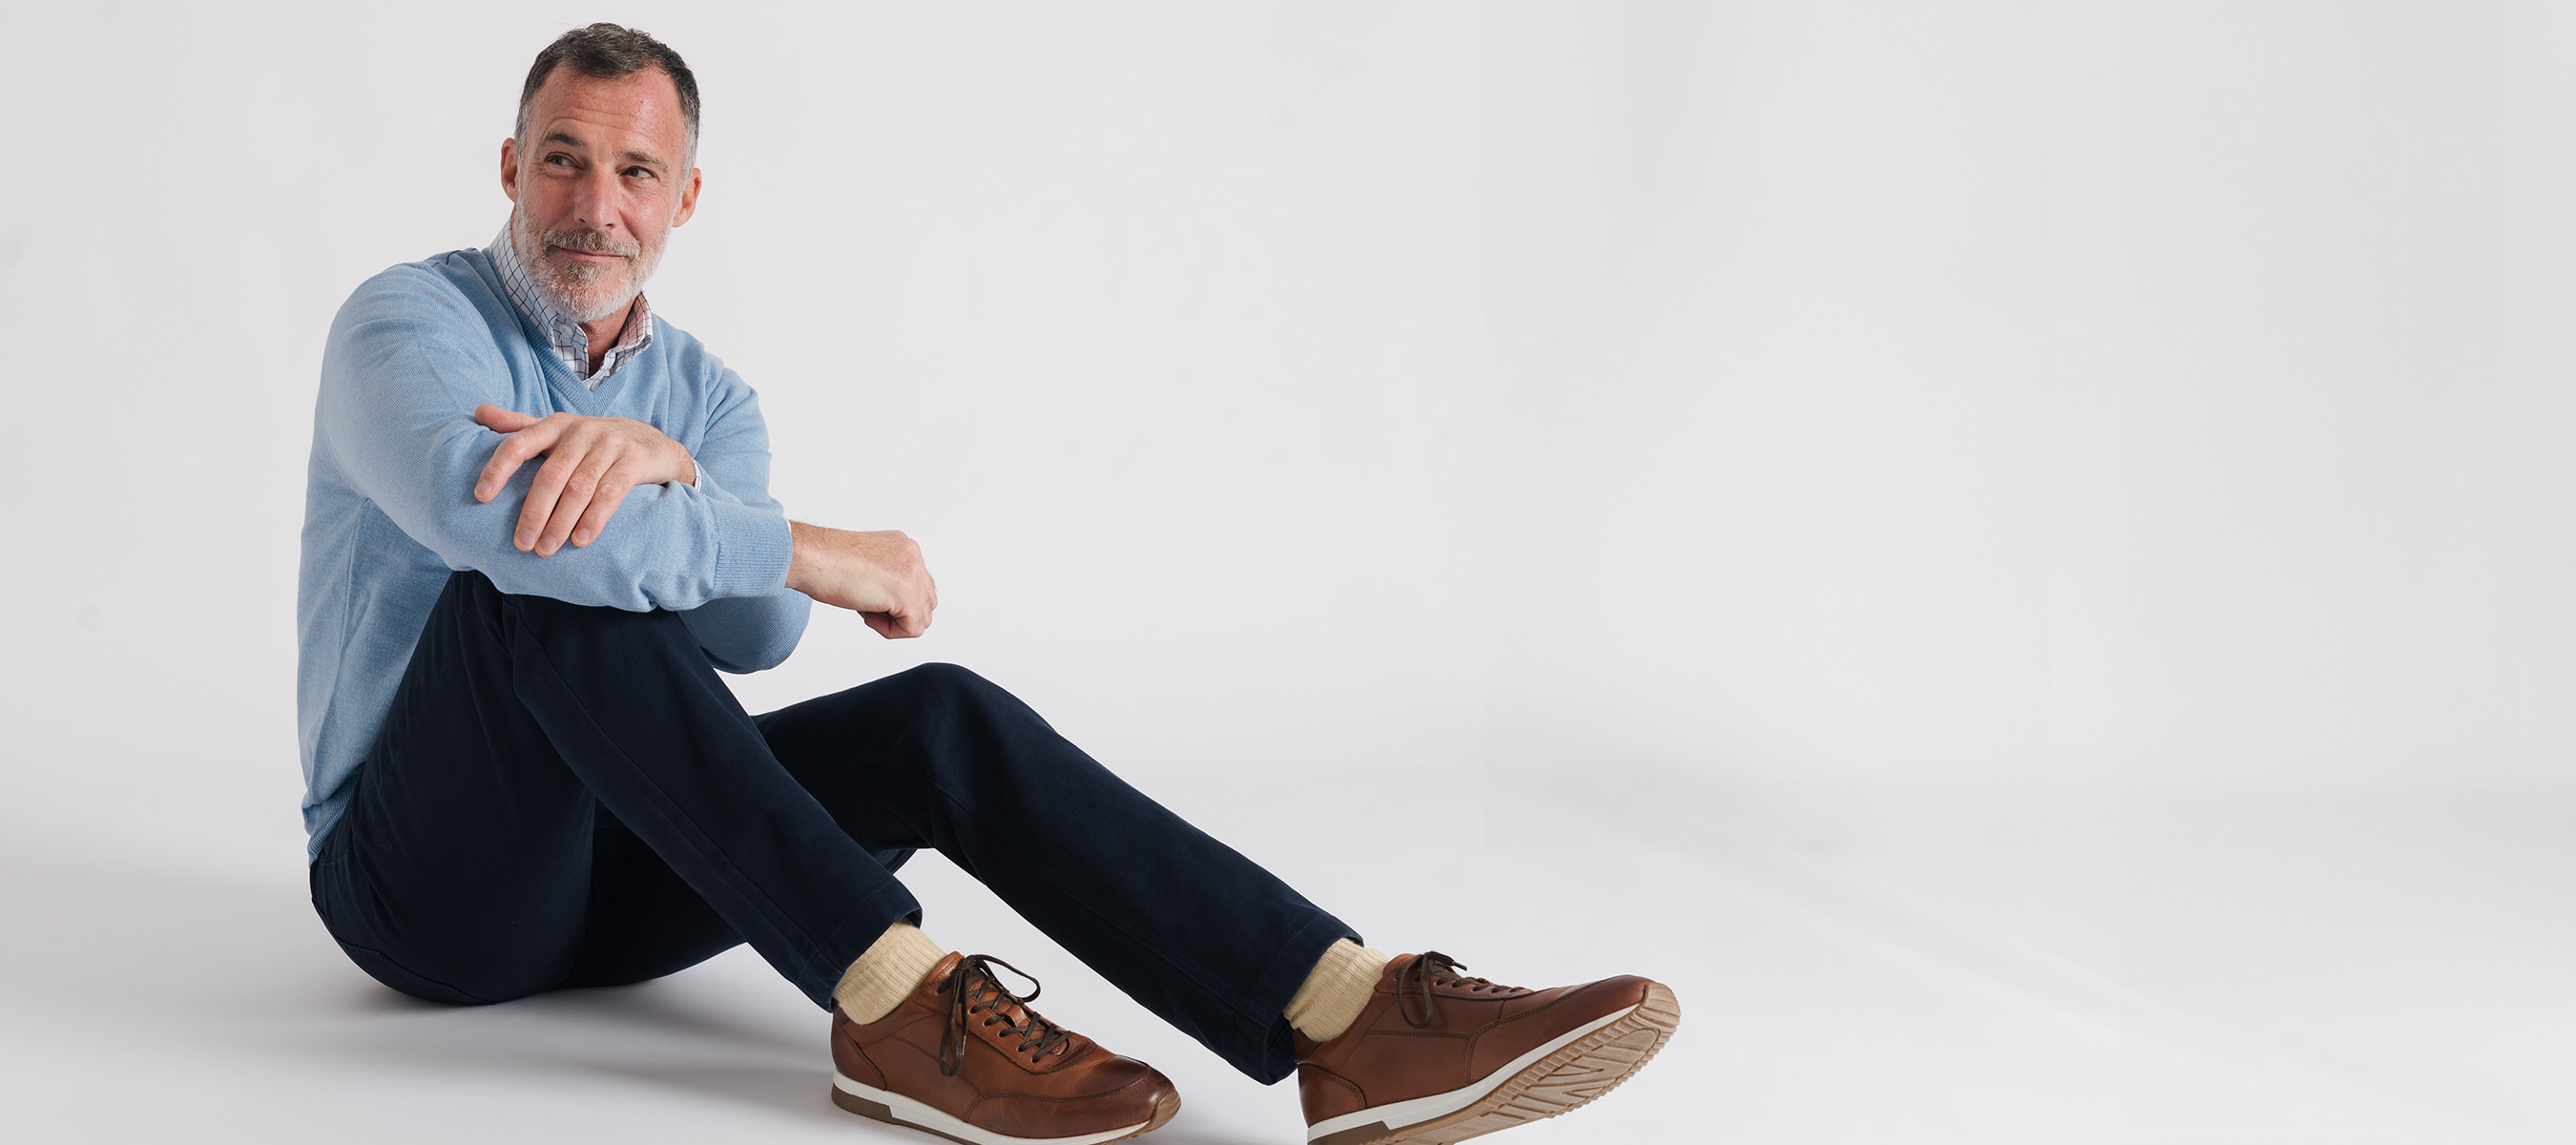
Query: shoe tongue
(1005, 1005)
(941, 971)
(1443, 974)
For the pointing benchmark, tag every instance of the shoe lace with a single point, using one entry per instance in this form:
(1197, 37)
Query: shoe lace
(972, 989)
(1436, 969)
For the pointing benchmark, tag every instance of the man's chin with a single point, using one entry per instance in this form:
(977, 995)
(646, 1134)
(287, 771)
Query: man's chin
(591, 303)
(602, 310)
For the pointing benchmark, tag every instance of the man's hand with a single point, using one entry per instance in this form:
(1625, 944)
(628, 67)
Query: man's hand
(877, 575)
(590, 464)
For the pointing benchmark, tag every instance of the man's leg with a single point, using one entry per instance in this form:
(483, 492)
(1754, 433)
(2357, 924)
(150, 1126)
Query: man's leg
(939, 757)
(472, 865)
(1402, 1051)
(567, 796)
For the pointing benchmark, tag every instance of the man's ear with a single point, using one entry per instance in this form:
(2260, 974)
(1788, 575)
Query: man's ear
(510, 169)
(688, 198)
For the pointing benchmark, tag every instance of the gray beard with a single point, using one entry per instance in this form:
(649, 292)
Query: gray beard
(575, 290)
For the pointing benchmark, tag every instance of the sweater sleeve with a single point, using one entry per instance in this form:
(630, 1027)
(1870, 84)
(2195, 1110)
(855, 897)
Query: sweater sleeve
(743, 633)
(407, 361)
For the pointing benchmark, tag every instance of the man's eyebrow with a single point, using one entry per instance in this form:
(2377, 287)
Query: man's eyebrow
(652, 161)
(565, 138)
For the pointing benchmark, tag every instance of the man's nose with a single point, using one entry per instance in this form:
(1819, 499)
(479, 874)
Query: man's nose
(595, 198)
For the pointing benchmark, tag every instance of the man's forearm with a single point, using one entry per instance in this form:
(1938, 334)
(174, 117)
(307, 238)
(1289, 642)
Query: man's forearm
(879, 575)
(400, 376)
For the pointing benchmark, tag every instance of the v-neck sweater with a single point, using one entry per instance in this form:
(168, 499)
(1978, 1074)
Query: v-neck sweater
(389, 509)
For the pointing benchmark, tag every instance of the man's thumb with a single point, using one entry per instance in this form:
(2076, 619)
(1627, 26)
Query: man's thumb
(500, 420)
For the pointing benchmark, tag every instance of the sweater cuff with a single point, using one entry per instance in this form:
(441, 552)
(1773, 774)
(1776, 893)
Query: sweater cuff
(752, 547)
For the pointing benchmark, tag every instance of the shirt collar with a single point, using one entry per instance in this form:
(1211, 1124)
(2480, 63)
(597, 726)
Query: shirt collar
(569, 341)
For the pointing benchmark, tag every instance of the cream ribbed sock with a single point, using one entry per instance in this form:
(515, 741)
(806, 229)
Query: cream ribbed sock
(888, 973)
(1336, 990)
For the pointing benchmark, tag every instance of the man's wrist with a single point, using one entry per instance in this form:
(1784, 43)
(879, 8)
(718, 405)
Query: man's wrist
(804, 554)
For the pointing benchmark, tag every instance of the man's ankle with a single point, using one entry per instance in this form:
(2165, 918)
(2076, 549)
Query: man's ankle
(1336, 990)
(890, 970)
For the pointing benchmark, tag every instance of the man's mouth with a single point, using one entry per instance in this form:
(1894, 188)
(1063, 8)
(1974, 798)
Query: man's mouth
(591, 255)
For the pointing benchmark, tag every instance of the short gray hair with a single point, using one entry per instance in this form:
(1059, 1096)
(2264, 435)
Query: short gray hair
(612, 51)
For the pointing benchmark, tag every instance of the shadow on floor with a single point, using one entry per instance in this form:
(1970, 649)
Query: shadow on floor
(172, 963)
(228, 969)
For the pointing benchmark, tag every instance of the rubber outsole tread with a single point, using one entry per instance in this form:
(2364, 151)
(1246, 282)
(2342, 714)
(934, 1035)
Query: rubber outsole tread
(1566, 1080)
(1164, 1111)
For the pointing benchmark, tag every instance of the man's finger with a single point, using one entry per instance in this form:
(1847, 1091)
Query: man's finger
(586, 483)
(500, 419)
(895, 625)
(576, 500)
(604, 504)
(548, 485)
(579, 486)
(513, 452)
(909, 624)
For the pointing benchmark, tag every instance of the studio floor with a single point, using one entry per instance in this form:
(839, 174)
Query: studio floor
(1975, 967)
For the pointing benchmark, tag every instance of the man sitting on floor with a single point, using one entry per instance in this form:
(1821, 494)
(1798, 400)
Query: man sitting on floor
(524, 774)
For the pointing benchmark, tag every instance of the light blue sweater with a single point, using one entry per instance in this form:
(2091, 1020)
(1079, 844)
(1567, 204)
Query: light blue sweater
(389, 505)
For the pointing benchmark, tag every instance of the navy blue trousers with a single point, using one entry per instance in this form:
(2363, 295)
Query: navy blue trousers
(570, 796)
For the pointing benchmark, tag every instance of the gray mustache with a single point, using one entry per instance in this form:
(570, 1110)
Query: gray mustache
(592, 241)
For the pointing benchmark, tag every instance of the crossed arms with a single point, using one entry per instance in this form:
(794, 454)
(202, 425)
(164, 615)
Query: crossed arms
(618, 513)
(591, 463)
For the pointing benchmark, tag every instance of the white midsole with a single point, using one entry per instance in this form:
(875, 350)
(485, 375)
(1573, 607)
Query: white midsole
(912, 1112)
(1415, 1111)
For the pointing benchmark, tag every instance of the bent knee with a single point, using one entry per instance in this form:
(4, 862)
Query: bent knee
(959, 691)
(945, 677)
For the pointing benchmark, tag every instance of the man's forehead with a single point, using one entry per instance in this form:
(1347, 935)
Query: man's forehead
(638, 107)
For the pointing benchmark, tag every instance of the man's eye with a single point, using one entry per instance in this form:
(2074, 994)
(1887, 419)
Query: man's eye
(639, 172)
(559, 159)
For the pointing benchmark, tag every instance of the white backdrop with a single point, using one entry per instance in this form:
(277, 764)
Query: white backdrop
(1691, 401)
(1911, 394)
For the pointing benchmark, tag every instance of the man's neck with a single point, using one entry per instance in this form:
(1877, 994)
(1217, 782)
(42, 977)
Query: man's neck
(606, 333)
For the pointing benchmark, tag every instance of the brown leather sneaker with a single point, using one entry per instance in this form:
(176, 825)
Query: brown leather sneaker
(1437, 1057)
(968, 1060)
